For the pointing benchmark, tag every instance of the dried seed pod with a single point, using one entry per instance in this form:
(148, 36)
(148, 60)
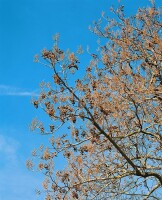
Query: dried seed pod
(36, 104)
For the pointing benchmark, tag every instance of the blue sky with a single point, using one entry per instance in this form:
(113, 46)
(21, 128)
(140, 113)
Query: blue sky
(26, 27)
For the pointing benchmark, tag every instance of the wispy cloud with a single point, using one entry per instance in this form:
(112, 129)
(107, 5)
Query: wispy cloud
(15, 180)
(8, 148)
(6, 90)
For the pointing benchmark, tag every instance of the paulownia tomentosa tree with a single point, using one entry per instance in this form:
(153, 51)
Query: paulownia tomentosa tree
(107, 125)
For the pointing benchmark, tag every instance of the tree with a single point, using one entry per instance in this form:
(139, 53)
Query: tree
(107, 125)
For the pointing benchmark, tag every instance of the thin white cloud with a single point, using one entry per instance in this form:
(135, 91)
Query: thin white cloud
(19, 94)
(3, 86)
(8, 148)
(6, 90)
(14, 177)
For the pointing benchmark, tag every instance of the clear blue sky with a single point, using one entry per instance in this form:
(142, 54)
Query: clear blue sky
(26, 27)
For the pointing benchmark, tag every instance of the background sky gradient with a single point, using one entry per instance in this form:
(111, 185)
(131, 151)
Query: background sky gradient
(26, 27)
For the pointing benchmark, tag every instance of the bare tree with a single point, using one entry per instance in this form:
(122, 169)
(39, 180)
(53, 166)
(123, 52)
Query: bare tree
(106, 125)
